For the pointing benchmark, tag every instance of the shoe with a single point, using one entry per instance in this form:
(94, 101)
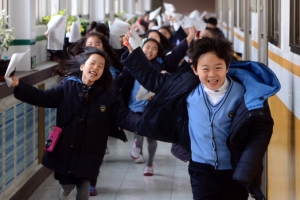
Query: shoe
(93, 191)
(135, 151)
(140, 159)
(63, 197)
(106, 150)
(149, 170)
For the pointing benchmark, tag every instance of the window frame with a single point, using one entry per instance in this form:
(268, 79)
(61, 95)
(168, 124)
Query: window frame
(274, 18)
(294, 42)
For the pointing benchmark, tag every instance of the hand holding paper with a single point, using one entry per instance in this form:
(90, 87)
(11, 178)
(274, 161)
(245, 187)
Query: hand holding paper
(15, 58)
(135, 40)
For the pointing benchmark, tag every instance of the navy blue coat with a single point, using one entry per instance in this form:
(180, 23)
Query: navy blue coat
(125, 81)
(81, 146)
(166, 118)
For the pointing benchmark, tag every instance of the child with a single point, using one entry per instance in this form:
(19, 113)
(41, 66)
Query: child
(129, 88)
(223, 120)
(99, 41)
(79, 152)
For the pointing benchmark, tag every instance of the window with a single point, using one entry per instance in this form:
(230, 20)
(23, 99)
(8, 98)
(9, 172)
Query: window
(235, 13)
(41, 10)
(254, 6)
(225, 11)
(241, 15)
(274, 22)
(294, 26)
(3, 5)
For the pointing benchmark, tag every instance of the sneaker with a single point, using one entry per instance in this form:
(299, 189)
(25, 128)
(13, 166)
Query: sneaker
(93, 191)
(140, 159)
(62, 196)
(149, 170)
(106, 150)
(135, 151)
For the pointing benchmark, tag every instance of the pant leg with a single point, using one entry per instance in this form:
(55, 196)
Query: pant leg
(93, 182)
(68, 189)
(152, 146)
(83, 191)
(210, 184)
(139, 141)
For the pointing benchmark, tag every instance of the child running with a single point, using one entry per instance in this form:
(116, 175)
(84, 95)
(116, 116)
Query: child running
(220, 114)
(86, 110)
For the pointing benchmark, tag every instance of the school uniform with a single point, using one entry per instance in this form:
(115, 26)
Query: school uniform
(81, 146)
(251, 121)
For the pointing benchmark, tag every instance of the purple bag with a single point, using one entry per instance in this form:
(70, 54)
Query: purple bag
(52, 138)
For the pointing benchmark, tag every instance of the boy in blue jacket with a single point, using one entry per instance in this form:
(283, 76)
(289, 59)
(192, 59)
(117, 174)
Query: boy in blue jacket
(219, 114)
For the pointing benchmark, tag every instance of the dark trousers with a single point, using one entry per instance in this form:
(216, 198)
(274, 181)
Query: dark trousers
(210, 184)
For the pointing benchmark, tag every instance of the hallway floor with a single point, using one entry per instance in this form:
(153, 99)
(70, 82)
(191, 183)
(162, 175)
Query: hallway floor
(122, 179)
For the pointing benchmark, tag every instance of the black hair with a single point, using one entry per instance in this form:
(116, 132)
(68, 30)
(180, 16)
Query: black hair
(108, 49)
(160, 52)
(100, 28)
(79, 48)
(167, 45)
(215, 32)
(167, 28)
(71, 67)
(143, 23)
(212, 20)
(217, 45)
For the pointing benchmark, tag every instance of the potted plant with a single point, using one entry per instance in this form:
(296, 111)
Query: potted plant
(6, 36)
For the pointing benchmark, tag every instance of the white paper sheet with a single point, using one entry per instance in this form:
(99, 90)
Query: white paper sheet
(159, 21)
(199, 25)
(202, 15)
(140, 29)
(135, 40)
(169, 7)
(194, 14)
(75, 31)
(114, 42)
(15, 59)
(153, 14)
(118, 27)
(57, 29)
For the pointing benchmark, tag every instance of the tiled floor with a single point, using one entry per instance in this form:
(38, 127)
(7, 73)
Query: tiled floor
(121, 179)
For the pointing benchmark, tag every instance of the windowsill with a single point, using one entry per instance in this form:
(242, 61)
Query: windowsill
(41, 72)
(295, 48)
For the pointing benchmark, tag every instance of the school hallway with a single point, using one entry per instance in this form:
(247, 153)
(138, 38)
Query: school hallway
(121, 179)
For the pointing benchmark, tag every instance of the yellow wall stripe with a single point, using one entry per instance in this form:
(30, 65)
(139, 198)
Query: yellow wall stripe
(284, 153)
(254, 44)
(239, 36)
(284, 63)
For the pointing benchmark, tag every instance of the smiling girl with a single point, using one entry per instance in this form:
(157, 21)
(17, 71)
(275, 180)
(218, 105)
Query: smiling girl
(87, 111)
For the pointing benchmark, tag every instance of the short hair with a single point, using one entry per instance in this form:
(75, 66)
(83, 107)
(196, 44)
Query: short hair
(215, 32)
(217, 45)
(212, 20)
